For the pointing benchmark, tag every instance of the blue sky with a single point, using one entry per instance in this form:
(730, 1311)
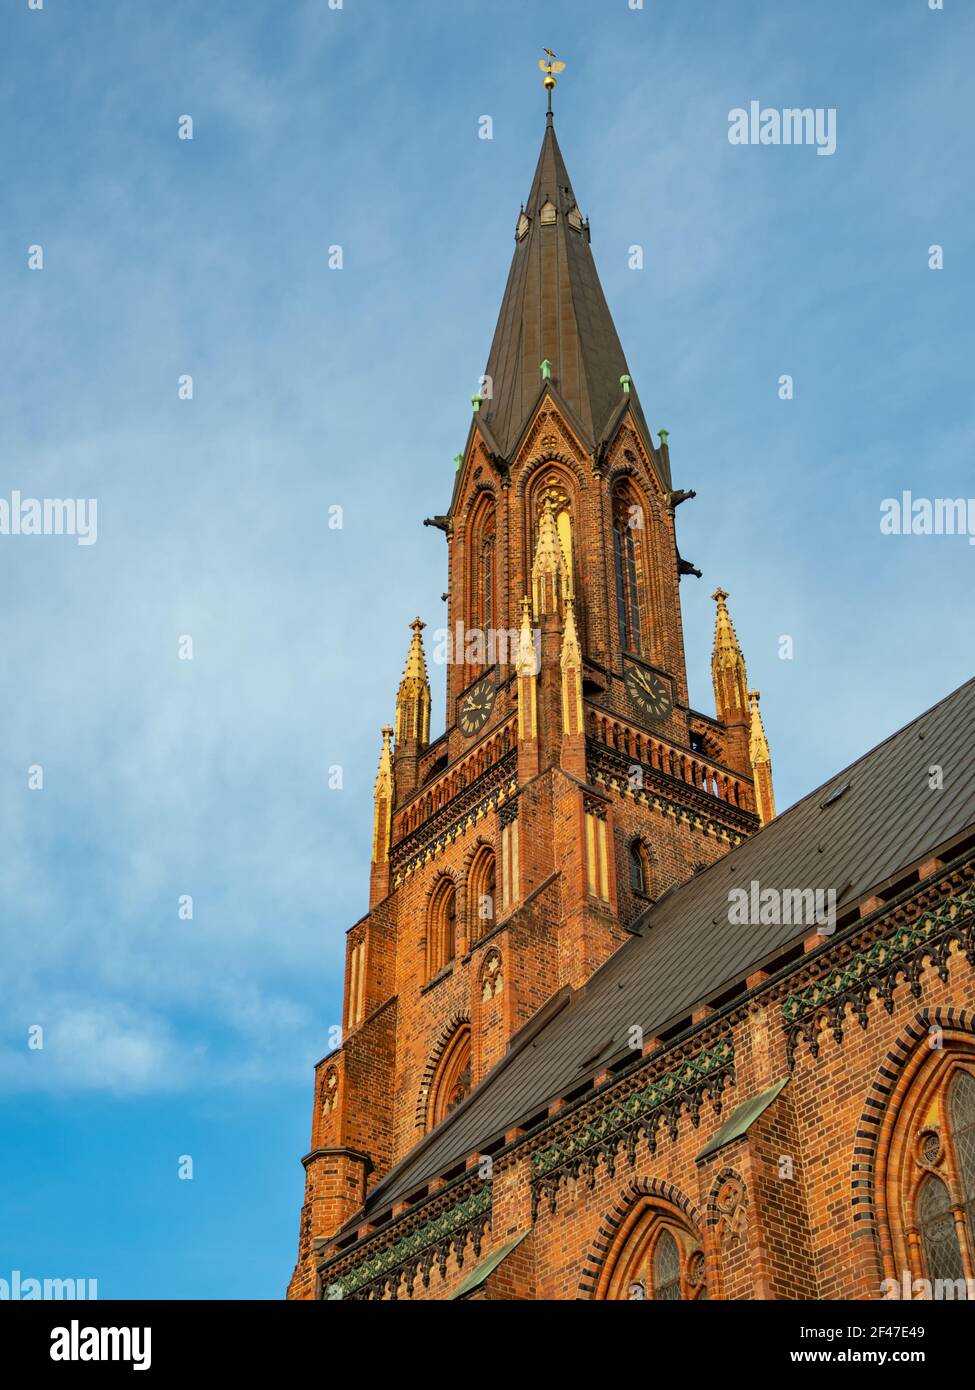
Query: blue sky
(315, 388)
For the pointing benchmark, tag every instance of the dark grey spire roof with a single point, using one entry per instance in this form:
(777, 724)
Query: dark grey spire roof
(554, 308)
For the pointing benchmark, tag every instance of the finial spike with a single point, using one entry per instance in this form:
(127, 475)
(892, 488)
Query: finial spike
(549, 68)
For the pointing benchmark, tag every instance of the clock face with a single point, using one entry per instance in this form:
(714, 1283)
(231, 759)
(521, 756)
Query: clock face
(475, 707)
(649, 692)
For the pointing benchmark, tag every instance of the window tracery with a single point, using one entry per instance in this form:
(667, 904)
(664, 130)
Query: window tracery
(930, 1182)
(629, 566)
(482, 570)
(452, 1084)
(659, 1258)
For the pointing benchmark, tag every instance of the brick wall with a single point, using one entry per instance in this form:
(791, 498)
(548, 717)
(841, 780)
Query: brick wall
(774, 1209)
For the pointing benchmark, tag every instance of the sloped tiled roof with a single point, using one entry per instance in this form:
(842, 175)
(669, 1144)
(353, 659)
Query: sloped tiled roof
(688, 952)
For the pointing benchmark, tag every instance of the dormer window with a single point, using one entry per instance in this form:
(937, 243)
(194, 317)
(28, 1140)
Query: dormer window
(548, 213)
(523, 224)
(574, 218)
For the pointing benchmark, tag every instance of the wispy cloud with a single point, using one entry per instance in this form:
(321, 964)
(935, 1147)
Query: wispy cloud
(312, 388)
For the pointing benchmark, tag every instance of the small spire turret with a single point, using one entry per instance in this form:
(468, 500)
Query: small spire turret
(728, 667)
(383, 798)
(413, 697)
(761, 761)
(573, 757)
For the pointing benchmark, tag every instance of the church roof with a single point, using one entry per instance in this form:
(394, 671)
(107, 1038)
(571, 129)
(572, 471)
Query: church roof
(554, 310)
(855, 833)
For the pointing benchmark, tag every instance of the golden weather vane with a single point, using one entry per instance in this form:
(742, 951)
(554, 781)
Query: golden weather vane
(550, 68)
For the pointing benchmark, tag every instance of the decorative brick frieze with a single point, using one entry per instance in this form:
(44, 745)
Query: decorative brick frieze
(411, 1247)
(489, 792)
(618, 1120)
(872, 964)
(610, 768)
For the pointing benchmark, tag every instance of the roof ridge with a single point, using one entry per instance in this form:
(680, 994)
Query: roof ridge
(863, 756)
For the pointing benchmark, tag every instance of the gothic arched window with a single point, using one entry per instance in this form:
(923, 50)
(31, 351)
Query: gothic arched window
(659, 1257)
(481, 898)
(942, 1254)
(486, 557)
(930, 1198)
(666, 1267)
(452, 1083)
(963, 1128)
(441, 927)
(483, 567)
(628, 565)
(640, 877)
(553, 492)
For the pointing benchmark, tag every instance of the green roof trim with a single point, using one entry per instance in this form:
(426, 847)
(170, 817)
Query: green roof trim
(742, 1119)
(487, 1266)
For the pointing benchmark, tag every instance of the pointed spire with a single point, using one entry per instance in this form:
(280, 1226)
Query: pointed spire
(413, 698)
(526, 670)
(526, 658)
(382, 795)
(416, 662)
(757, 742)
(550, 571)
(728, 667)
(573, 756)
(554, 310)
(571, 652)
(761, 762)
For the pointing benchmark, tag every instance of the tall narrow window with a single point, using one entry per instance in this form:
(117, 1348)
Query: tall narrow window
(441, 928)
(450, 927)
(452, 1083)
(487, 559)
(963, 1128)
(941, 1252)
(488, 893)
(666, 1267)
(627, 562)
(481, 606)
(481, 908)
(640, 868)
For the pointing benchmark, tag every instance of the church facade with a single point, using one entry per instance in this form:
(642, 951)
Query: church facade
(613, 1029)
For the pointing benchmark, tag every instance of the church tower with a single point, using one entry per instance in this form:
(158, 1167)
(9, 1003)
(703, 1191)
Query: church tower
(513, 854)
